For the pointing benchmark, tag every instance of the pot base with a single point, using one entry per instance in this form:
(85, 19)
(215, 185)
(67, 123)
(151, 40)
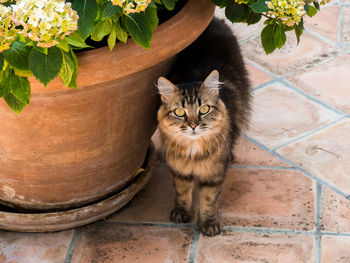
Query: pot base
(63, 220)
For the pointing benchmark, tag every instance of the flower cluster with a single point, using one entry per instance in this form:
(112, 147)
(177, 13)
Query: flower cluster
(290, 12)
(45, 21)
(132, 6)
(8, 32)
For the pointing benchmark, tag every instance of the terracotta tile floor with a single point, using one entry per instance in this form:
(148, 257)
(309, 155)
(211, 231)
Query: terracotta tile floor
(286, 198)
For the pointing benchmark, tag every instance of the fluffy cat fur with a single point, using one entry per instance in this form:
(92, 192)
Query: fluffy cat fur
(198, 146)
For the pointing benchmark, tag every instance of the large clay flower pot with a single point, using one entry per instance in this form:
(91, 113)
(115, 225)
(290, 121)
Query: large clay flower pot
(71, 148)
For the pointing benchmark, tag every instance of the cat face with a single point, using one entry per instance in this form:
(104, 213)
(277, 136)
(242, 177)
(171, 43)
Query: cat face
(192, 110)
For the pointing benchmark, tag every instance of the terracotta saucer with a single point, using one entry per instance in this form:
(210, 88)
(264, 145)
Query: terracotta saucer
(48, 222)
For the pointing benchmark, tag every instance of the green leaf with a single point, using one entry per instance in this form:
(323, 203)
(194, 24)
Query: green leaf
(169, 4)
(19, 87)
(279, 36)
(18, 55)
(317, 5)
(251, 17)
(16, 105)
(140, 26)
(122, 35)
(220, 3)
(67, 69)
(1, 61)
(259, 6)
(102, 30)
(46, 67)
(111, 10)
(73, 83)
(311, 11)
(267, 38)
(112, 39)
(234, 12)
(4, 82)
(76, 40)
(87, 11)
(299, 29)
(63, 44)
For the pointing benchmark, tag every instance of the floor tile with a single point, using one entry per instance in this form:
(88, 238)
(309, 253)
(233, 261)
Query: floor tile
(291, 57)
(153, 203)
(324, 22)
(280, 114)
(325, 154)
(346, 26)
(335, 249)
(34, 248)
(108, 242)
(319, 82)
(248, 154)
(268, 198)
(246, 247)
(335, 212)
(256, 76)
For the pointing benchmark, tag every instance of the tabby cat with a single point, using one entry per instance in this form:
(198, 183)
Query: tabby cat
(201, 116)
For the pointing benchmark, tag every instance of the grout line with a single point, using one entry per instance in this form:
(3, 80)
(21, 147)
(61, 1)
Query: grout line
(264, 230)
(71, 248)
(194, 247)
(248, 39)
(263, 85)
(318, 248)
(318, 237)
(260, 68)
(325, 39)
(319, 193)
(309, 97)
(309, 133)
(297, 167)
(262, 167)
(335, 234)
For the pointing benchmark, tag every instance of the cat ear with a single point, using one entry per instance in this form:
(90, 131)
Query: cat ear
(166, 88)
(212, 83)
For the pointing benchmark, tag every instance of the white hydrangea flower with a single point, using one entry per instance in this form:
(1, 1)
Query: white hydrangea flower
(132, 6)
(8, 32)
(289, 12)
(45, 21)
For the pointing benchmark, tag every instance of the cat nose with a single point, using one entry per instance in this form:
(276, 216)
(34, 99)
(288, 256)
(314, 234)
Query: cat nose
(193, 126)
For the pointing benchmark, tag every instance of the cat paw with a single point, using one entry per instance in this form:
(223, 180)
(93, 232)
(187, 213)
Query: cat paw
(210, 228)
(178, 215)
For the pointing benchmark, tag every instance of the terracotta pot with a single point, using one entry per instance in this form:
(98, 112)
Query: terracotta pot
(73, 147)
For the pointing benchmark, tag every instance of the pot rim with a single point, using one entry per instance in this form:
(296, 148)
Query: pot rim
(168, 39)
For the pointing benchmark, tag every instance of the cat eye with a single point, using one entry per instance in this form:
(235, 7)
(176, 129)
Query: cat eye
(204, 109)
(179, 112)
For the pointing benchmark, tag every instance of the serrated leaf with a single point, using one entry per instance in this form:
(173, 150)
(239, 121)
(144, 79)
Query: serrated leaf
(317, 5)
(46, 67)
(64, 45)
(87, 11)
(169, 4)
(19, 87)
(279, 36)
(102, 30)
(220, 3)
(234, 12)
(260, 7)
(111, 10)
(251, 17)
(1, 61)
(267, 38)
(16, 105)
(140, 26)
(311, 11)
(18, 55)
(67, 69)
(112, 39)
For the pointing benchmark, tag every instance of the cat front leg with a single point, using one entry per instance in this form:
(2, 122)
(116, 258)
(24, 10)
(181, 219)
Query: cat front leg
(208, 220)
(183, 210)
